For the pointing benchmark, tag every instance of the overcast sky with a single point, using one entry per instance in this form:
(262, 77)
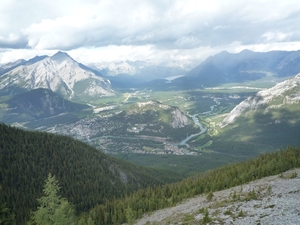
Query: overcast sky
(177, 31)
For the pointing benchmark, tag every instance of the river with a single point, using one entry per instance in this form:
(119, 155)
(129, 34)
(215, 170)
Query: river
(196, 121)
(202, 130)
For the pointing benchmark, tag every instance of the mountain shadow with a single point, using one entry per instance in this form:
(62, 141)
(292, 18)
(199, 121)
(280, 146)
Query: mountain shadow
(38, 104)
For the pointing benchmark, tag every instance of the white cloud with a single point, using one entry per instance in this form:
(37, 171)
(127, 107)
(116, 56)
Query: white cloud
(276, 36)
(146, 30)
(11, 55)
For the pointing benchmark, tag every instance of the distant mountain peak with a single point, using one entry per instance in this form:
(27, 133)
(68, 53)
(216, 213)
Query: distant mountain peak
(13, 64)
(246, 51)
(60, 73)
(224, 53)
(61, 56)
(244, 66)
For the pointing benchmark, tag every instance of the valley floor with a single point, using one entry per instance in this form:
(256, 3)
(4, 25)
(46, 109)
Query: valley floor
(271, 200)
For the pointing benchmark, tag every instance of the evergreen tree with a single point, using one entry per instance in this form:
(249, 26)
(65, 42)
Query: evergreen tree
(209, 196)
(129, 216)
(206, 219)
(53, 209)
(6, 218)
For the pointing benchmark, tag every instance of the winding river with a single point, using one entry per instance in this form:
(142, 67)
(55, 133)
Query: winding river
(202, 130)
(196, 121)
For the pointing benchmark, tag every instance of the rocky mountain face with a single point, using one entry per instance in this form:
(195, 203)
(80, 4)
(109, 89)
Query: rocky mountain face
(164, 113)
(59, 73)
(280, 96)
(9, 66)
(179, 119)
(20, 62)
(226, 67)
(265, 121)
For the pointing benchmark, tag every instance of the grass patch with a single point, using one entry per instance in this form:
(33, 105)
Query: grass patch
(228, 213)
(270, 206)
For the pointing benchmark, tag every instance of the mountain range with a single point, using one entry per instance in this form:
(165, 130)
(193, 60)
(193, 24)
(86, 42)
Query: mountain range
(66, 78)
(46, 88)
(59, 73)
(125, 75)
(71, 79)
(9, 66)
(139, 69)
(247, 65)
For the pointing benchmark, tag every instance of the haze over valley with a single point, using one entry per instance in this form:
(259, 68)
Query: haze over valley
(189, 115)
(112, 110)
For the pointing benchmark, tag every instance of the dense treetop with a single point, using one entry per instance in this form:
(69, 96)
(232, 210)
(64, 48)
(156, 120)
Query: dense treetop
(102, 189)
(86, 175)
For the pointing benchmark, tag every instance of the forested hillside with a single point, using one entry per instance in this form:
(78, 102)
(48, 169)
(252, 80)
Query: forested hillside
(101, 187)
(87, 177)
(38, 104)
(148, 200)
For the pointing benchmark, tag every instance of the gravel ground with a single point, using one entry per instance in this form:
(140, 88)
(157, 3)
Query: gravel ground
(274, 200)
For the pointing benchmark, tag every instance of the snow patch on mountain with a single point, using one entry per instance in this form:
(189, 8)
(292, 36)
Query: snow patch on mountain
(282, 90)
(141, 69)
(115, 68)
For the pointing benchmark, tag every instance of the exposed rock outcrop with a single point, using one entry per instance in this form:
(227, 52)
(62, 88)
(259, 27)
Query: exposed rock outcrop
(286, 92)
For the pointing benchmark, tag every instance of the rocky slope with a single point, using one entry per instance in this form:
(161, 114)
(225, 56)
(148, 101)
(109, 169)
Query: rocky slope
(281, 95)
(271, 200)
(165, 113)
(59, 73)
(6, 67)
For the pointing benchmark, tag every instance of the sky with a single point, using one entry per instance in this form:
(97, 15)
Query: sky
(182, 32)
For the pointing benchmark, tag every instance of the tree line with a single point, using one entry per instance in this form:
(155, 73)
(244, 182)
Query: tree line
(55, 210)
(135, 205)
